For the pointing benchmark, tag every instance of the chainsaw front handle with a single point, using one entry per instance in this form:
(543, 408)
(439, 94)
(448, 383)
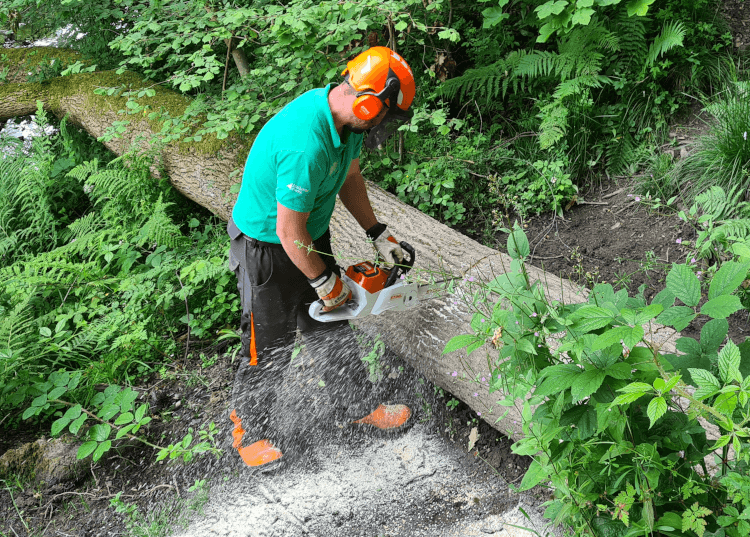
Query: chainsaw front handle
(400, 269)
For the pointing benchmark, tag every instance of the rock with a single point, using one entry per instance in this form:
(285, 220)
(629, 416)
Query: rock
(48, 461)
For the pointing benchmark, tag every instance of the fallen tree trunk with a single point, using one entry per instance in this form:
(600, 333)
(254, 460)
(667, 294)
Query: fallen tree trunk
(201, 172)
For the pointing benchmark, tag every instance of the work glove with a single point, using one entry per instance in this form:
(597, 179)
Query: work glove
(331, 289)
(388, 248)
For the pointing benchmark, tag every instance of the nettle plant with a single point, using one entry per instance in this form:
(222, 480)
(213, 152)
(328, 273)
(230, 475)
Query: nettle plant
(613, 422)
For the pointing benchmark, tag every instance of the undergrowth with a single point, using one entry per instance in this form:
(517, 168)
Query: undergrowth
(103, 268)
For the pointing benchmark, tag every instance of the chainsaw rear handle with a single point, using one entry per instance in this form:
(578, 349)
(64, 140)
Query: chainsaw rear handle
(405, 266)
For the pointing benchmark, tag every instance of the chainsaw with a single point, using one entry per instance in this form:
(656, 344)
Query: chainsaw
(376, 289)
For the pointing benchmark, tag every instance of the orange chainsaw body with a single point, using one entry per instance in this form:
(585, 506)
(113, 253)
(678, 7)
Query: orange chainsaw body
(369, 277)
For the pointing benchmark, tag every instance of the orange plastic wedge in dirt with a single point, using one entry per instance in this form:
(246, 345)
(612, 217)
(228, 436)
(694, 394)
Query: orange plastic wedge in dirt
(260, 453)
(387, 417)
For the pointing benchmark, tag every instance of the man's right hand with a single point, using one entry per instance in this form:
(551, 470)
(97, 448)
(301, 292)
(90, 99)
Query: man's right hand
(331, 289)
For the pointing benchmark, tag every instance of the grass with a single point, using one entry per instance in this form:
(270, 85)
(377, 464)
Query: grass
(719, 158)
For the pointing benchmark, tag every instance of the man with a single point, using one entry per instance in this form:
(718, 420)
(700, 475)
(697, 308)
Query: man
(302, 158)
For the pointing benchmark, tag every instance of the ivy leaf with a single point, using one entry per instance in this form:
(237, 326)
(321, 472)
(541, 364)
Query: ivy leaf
(656, 409)
(722, 306)
(684, 284)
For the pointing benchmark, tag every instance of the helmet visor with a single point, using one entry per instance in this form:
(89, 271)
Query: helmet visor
(390, 124)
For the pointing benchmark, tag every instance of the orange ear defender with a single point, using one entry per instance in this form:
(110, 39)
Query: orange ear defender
(377, 75)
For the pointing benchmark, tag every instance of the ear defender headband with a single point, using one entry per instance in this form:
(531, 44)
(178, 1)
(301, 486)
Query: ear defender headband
(369, 104)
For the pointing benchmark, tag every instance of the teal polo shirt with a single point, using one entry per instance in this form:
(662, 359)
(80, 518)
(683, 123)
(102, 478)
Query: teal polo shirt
(299, 161)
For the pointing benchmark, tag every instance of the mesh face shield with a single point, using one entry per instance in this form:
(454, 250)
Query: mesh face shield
(393, 119)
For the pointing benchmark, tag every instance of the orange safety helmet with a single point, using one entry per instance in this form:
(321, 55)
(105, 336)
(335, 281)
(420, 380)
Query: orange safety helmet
(377, 75)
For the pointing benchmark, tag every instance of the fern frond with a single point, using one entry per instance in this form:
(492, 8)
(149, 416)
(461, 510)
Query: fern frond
(159, 228)
(83, 171)
(671, 36)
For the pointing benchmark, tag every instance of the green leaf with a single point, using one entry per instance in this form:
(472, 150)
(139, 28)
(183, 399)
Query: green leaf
(684, 285)
(73, 412)
(721, 307)
(141, 412)
(57, 392)
(665, 298)
(704, 378)
(582, 16)
(76, 425)
(100, 432)
(713, 334)
(101, 450)
(728, 278)
(636, 387)
(493, 16)
(534, 475)
(558, 378)
(589, 318)
(586, 383)
(640, 8)
(125, 430)
(677, 317)
(729, 363)
(525, 345)
(620, 371)
(459, 342)
(630, 337)
(518, 244)
(656, 409)
(59, 424)
(122, 419)
(552, 7)
(86, 449)
(626, 398)
(646, 314)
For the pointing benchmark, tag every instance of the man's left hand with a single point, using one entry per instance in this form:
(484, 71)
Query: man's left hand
(388, 247)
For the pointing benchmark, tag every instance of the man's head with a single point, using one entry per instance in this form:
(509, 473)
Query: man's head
(382, 86)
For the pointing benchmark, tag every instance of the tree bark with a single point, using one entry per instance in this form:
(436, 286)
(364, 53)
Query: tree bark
(201, 172)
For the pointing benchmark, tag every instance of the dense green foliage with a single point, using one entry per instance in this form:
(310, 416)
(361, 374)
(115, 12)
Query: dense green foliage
(595, 81)
(520, 105)
(102, 269)
(609, 416)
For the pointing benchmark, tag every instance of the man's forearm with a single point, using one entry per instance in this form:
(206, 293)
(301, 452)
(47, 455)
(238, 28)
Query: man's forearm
(354, 197)
(309, 262)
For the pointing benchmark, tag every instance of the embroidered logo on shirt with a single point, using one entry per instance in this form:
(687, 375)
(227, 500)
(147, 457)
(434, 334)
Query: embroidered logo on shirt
(296, 188)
